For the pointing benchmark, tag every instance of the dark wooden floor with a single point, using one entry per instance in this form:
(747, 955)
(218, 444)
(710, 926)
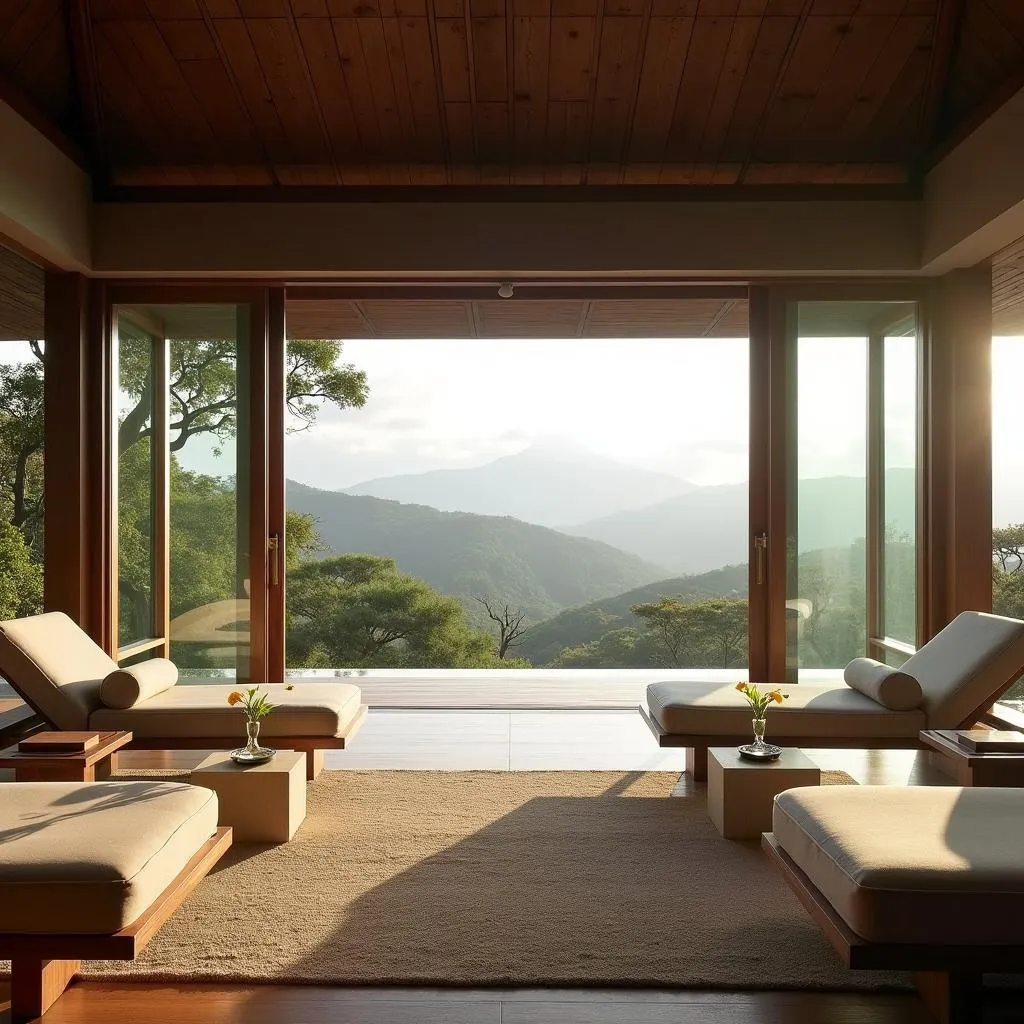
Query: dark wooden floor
(597, 739)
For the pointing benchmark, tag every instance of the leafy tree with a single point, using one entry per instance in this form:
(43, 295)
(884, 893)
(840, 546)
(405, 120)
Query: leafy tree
(696, 634)
(618, 648)
(21, 447)
(21, 579)
(360, 611)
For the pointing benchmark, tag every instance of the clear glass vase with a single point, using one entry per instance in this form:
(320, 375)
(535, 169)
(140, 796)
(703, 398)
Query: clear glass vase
(252, 752)
(759, 743)
(252, 732)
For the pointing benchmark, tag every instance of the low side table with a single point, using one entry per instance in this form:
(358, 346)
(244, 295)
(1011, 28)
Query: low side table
(741, 792)
(974, 768)
(263, 803)
(77, 766)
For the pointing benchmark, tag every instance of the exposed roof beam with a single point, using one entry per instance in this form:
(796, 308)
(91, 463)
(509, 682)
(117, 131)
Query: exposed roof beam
(87, 84)
(28, 111)
(948, 20)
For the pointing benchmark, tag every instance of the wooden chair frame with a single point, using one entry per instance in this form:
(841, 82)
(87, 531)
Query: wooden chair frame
(948, 977)
(42, 965)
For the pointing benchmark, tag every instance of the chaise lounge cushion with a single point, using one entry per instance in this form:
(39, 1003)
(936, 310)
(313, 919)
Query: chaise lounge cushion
(717, 709)
(126, 687)
(89, 858)
(891, 687)
(187, 712)
(55, 666)
(911, 864)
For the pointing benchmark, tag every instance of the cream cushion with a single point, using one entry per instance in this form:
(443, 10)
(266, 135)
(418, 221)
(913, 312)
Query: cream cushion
(890, 687)
(967, 666)
(928, 864)
(126, 687)
(186, 711)
(89, 858)
(54, 666)
(717, 709)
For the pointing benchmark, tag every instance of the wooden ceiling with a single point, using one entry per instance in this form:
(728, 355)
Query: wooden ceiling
(498, 92)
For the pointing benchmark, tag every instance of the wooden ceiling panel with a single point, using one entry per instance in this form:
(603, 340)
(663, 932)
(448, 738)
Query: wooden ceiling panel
(1008, 290)
(601, 92)
(21, 298)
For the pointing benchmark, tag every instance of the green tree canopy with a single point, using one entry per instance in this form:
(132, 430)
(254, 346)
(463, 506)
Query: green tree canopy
(21, 579)
(701, 634)
(360, 611)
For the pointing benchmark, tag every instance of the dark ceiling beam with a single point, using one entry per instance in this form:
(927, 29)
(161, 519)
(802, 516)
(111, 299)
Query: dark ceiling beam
(948, 21)
(26, 109)
(87, 83)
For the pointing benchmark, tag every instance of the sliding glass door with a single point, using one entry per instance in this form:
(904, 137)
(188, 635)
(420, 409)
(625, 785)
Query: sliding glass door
(851, 481)
(188, 488)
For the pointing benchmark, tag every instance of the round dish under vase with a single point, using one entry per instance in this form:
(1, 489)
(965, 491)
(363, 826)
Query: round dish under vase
(252, 752)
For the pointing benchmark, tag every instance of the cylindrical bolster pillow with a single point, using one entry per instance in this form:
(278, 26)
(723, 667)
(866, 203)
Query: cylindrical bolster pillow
(126, 687)
(890, 687)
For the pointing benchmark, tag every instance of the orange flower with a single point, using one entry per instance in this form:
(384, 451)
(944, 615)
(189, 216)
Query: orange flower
(776, 696)
(234, 697)
(742, 687)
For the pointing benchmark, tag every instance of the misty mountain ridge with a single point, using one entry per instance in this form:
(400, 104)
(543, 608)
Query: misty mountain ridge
(533, 568)
(549, 483)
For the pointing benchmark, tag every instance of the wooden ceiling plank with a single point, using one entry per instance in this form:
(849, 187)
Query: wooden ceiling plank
(188, 39)
(423, 83)
(948, 23)
(360, 90)
(396, 145)
(10, 13)
(668, 40)
(570, 66)
(597, 17)
(531, 37)
(25, 29)
(701, 73)
(615, 94)
(399, 67)
(286, 74)
(243, 67)
(857, 52)
(316, 38)
(742, 41)
(907, 35)
(489, 59)
(774, 38)
(44, 72)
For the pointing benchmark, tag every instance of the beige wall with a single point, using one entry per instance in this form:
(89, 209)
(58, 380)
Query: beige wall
(45, 198)
(974, 198)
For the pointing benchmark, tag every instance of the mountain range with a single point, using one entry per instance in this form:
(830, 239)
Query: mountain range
(549, 484)
(535, 569)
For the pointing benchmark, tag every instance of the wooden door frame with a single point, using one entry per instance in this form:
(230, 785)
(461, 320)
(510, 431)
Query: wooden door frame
(256, 298)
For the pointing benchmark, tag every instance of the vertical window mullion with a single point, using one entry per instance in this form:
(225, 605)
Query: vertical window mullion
(874, 493)
(161, 493)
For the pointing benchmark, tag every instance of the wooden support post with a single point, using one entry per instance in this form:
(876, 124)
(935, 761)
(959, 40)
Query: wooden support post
(951, 997)
(37, 984)
(697, 763)
(314, 764)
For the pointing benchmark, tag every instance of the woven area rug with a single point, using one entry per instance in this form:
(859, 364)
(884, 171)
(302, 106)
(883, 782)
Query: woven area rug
(498, 878)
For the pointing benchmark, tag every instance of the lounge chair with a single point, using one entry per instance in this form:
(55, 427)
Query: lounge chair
(924, 879)
(961, 671)
(91, 870)
(58, 671)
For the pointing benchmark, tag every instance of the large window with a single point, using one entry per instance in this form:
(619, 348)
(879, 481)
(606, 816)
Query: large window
(503, 502)
(22, 555)
(852, 573)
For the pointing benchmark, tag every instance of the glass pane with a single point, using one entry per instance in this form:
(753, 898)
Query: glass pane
(21, 444)
(828, 607)
(516, 503)
(208, 434)
(827, 575)
(899, 496)
(136, 468)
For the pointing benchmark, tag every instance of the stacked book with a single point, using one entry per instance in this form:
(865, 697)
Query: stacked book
(990, 741)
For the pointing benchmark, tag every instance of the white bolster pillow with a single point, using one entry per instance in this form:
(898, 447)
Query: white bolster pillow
(890, 687)
(126, 687)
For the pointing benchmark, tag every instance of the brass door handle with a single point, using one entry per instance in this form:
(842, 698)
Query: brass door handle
(274, 553)
(760, 547)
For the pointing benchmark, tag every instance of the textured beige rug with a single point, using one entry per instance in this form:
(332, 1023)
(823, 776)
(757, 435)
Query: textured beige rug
(498, 878)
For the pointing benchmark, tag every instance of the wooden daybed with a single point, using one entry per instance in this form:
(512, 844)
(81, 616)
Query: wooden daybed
(58, 670)
(91, 871)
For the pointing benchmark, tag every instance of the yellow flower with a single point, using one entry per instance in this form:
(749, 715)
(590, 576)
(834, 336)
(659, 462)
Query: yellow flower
(776, 696)
(234, 697)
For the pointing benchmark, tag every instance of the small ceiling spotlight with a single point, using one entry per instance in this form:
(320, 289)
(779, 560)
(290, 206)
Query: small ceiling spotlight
(506, 290)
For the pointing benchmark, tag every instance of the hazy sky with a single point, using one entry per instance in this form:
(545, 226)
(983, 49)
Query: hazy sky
(680, 406)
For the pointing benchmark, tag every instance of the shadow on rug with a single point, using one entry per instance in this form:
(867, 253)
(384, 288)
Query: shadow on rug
(499, 878)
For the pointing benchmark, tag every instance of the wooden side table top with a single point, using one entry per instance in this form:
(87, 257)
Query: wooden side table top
(109, 743)
(791, 759)
(940, 740)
